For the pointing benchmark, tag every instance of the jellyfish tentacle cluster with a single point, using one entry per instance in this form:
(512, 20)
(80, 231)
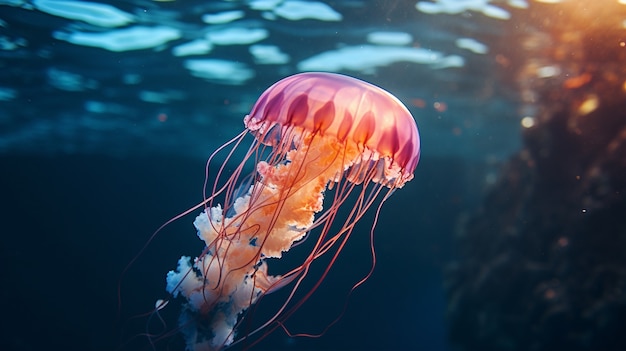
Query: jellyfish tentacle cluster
(323, 131)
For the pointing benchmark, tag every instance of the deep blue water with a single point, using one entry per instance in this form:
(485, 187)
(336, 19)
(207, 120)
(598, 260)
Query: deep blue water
(76, 221)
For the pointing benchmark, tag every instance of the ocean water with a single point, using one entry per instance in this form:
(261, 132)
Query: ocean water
(177, 78)
(110, 109)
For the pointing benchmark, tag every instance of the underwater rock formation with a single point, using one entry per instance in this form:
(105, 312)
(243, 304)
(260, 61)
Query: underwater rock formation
(542, 264)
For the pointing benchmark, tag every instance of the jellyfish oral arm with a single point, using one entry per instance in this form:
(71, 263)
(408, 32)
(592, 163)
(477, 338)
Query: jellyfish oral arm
(276, 212)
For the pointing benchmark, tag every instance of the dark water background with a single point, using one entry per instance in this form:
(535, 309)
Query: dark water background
(72, 223)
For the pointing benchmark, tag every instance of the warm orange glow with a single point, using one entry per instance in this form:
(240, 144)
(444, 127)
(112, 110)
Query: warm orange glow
(589, 105)
(577, 82)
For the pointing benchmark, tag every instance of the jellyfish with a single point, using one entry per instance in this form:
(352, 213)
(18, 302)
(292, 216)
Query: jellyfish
(311, 134)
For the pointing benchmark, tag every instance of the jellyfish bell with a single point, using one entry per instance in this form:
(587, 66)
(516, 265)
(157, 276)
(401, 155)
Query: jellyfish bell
(312, 132)
(344, 108)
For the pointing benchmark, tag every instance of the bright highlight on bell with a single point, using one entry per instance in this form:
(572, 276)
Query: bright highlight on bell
(313, 133)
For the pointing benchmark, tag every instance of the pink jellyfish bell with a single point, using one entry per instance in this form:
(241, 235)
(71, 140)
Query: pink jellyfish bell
(313, 132)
